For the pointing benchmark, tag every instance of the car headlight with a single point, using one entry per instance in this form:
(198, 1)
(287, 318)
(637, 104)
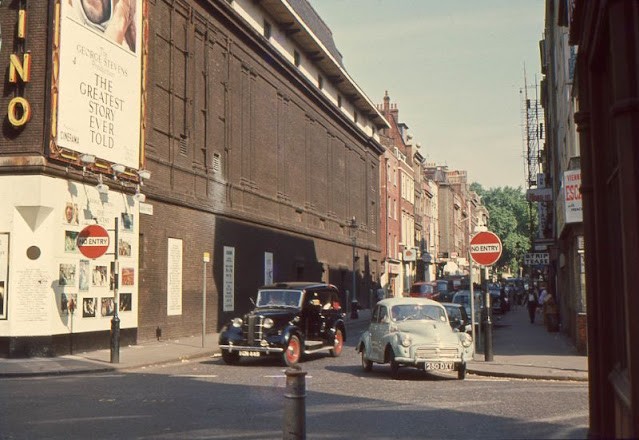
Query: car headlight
(268, 323)
(466, 340)
(237, 322)
(405, 340)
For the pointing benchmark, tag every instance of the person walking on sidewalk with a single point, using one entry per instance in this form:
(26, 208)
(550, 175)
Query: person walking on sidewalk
(531, 300)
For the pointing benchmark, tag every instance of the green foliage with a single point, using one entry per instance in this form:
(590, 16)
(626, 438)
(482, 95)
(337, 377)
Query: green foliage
(510, 220)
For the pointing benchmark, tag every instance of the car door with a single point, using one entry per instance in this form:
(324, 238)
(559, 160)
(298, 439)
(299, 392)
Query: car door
(379, 329)
(311, 316)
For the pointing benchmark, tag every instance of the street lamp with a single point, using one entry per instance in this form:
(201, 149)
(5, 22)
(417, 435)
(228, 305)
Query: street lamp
(353, 232)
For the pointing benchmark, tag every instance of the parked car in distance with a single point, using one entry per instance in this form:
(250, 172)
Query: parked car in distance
(463, 297)
(446, 290)
(424, 289)
(414, 332)
(457, 317)
(290, 319)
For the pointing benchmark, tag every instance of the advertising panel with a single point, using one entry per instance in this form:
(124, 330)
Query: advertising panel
(174, 277)
(228, 289)
(572, 196)
(99, 84)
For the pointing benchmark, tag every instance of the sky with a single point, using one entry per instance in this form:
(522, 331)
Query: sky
(455, 69)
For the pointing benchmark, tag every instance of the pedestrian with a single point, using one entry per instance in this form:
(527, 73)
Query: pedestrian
(531, 300)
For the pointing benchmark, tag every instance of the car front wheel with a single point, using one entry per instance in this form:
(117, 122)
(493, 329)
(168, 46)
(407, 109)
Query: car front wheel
(394, 365)
(338, 343)
(366, 364)
(293, 351)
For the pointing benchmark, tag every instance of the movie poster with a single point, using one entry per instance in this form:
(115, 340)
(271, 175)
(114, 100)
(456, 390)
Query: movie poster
(100, 79)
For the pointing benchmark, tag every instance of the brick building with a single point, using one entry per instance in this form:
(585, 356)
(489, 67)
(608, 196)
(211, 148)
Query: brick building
(260, 149)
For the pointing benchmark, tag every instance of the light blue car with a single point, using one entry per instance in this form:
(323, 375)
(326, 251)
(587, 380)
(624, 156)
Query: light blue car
(414, 332)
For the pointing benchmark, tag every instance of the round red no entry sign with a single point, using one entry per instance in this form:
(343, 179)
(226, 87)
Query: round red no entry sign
(93, 241)
(485, 248)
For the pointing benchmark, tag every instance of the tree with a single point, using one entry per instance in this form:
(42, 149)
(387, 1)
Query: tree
(510, 219)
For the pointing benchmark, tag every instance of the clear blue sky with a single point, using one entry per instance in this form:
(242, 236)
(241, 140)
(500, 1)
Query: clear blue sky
(455, 68)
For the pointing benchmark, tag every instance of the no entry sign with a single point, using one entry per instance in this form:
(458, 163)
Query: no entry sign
(485, 248)
(93, 241)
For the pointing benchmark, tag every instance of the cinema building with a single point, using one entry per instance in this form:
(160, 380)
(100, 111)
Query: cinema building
(219, 143)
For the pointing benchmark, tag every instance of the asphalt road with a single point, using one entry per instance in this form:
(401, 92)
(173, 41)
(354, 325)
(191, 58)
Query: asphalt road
(206, 399)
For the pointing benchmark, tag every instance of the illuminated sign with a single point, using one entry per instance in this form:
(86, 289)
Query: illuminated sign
(19, 111)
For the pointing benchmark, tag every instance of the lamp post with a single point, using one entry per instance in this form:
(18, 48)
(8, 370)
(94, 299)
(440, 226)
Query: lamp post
(353, 231)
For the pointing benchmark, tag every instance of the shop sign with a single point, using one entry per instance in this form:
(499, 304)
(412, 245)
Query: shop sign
(19, 110)
(536, 258)
(572, 196)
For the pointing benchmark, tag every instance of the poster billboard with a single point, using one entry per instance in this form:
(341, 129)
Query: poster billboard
(99, 81)
(572, 196)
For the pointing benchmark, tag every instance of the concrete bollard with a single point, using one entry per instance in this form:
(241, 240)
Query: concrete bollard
(294, 424)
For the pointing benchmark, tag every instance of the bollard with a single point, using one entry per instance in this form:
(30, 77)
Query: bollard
(294, 426)
(115, 340)
(354, 309)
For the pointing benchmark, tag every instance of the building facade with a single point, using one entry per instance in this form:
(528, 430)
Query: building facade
(607, 81)
(563, 174)
(259, 146)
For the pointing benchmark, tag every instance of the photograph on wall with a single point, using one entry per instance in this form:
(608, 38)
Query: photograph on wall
(125, 302)
(99, 275)
(99, 79)
(88, 307)
(67, 274)
(71, 213)
(127, 276)
(124, 248)
(68, 302)
(127, 221)
(108, 307)
(84, 278)
(71, 241)
(4, 271)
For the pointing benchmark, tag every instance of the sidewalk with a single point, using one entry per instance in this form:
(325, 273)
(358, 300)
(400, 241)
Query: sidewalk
(520, 350)
(525, 350)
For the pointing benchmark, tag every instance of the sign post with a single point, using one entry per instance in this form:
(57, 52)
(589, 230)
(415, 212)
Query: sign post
(206, 257)
(115, 322)
(485, 250)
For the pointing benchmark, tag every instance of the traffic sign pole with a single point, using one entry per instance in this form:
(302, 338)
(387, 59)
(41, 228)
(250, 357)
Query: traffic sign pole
(115, 322)
(485, 250)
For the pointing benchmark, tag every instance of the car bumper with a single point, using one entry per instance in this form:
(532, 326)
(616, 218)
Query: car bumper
(266, 350)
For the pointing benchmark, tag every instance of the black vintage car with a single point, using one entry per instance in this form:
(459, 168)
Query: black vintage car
(290, 319)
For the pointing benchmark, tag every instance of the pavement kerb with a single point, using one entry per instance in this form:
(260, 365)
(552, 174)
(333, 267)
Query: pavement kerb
(80, 371)
(529, 376)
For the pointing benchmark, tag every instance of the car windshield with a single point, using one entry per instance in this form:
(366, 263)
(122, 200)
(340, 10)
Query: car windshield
(405, 312)
(421, 288)
(461, 299)
(279, 298)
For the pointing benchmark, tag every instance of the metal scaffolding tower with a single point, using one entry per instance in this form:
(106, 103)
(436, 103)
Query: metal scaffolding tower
(532, 114)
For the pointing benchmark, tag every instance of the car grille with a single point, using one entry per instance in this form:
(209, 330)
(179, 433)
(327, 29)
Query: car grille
(253, 329)
(436, 353)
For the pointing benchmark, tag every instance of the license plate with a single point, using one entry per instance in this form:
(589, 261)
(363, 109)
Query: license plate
(439, 366)
(247, 353)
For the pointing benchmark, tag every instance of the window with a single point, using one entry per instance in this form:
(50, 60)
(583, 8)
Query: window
(320, 82)
(339, 101)
(355, 117)
(296, 58)
(267, 30)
